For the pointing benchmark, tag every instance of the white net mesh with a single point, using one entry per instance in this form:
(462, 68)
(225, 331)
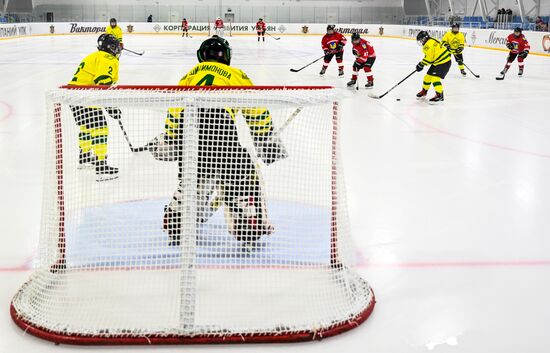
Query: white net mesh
(231, 223)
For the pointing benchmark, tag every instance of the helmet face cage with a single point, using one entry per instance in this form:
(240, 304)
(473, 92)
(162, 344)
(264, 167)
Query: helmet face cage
(330, 29)
(108, 43)
(215, 49)
(457, 26)
(422, 37)
(113, 22)
(355, 38)
(517, 31)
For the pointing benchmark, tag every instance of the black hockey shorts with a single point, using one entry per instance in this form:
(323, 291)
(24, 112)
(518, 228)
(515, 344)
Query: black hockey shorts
(91, 118)
(512, 57)
(459, 59)
(261, 33)
(440, 70)
(339, 56)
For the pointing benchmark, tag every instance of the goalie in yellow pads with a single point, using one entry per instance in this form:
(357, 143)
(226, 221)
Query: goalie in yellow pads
(227, 173)
(454, 41)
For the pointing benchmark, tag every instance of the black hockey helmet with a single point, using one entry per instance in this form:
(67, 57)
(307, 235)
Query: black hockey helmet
(331, 28)
(184, 19)
(422, 37)
(261, 19)
(518, 30)
(455, 25)
(111, 21)
(215, 49)
(109, 44)
(355, 37)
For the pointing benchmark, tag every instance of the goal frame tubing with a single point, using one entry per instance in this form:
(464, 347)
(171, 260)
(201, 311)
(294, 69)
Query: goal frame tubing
(297, 336)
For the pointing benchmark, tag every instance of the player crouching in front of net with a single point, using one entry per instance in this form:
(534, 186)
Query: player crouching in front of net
(439, 57)
(99, 68)
(333, 44)
(519, 47)
(364, 59)
(261, 27)
(227, 173)
(454, 41)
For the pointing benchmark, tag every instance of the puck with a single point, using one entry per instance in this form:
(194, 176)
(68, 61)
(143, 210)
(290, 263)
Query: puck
(398, 99)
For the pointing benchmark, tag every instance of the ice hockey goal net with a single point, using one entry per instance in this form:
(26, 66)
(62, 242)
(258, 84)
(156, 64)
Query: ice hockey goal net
(225, 223)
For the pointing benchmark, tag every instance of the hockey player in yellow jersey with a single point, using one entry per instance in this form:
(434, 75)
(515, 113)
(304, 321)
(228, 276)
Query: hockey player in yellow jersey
(439, 58)
(454, 41)
(115, 30)
(99, 68)
(227, 173)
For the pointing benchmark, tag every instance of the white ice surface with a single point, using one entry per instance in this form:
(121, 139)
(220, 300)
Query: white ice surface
(449, 204)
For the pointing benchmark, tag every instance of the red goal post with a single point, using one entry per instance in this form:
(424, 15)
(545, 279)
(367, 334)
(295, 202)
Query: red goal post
(294, 283)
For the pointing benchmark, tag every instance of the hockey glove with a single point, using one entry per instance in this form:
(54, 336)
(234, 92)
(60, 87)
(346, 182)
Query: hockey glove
(459, 50)
(358, 66)
(510, 46)
(447, 45)
(115, 113)
(523, 54)
(327, 52)
(270, 149)
(419, 67)
(340, 47)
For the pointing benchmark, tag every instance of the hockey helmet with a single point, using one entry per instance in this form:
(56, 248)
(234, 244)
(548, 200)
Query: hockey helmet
(113, 22)
(215, 49)
(518, 30)
(457, 26)
(422, 37)
(331, 28)
(109, 44)
(355, 37)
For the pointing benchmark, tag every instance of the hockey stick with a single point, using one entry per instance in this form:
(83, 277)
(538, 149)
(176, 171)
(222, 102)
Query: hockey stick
(311, 63)
(269, 34)
(132, 148)
(466, 66)
(135, 52)
(289, 120)
(391, 89)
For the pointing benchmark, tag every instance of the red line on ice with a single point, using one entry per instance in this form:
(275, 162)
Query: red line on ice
(9, 113)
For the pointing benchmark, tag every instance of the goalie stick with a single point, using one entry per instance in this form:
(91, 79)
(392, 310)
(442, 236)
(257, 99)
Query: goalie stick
(311, 63)
(135, 52)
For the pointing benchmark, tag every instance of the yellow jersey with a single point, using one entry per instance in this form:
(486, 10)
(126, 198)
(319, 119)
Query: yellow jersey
(210, 73)
(99, 68)
(455, 40)
(115, 31)
(435, 53)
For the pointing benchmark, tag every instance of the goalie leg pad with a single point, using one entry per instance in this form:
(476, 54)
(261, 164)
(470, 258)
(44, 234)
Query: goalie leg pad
(246, 212)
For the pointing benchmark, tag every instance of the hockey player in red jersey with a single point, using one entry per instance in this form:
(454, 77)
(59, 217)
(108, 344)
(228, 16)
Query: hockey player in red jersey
(260, 29)
(185, 27)
(519, 47)
(218, 26)
(364, 59)
(333, 44)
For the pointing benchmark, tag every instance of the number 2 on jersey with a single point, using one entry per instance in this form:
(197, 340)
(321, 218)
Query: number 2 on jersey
(80, 67)
(207, 80)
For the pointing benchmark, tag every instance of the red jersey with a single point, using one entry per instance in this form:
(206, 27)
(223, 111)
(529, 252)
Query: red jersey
(218, 24)
(520, 43)
(363, 50)
(185, 24)
(260, 26)
(331, 41)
